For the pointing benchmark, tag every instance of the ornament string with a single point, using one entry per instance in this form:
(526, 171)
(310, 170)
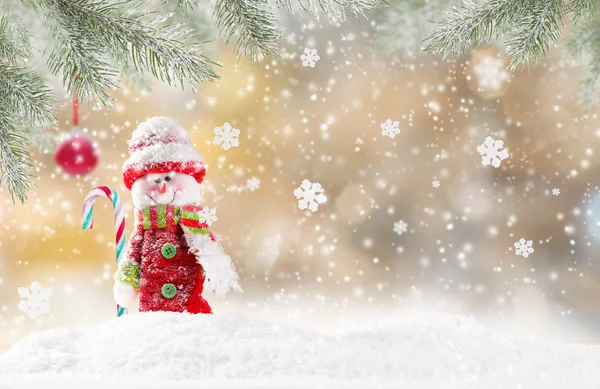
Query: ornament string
(75, 102)
(87, 221)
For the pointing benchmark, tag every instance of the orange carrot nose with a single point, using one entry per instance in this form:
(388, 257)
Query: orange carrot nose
(163, 188)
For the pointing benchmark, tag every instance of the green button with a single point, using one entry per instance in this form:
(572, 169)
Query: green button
(168, 250)
(169, 291)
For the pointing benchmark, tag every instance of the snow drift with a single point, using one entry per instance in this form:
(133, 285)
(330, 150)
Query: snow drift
(230, 350)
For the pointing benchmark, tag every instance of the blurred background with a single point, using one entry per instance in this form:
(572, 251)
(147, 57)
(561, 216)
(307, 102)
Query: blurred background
(344, 265)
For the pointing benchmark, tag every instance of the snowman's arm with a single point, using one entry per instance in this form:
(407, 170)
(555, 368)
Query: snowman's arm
(219, 270)
(128, 270)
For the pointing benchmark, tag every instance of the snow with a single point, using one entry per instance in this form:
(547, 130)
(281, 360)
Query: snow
(310, 57)
(310, 195)
(227, 136)
(34, 299)
(155, 131)
(390, 128)
(230, 350)
(491, 152)
(523, 247)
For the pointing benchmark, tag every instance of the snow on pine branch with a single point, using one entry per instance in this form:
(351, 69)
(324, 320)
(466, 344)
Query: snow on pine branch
(255, 24)
(528, 28)
(336, 10)
(90, 27)
(585, 44)
(16, 165)
(15, 38)
(408, 23)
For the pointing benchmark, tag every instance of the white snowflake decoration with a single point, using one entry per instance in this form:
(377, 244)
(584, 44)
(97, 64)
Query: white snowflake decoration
(435, 184)
(227, 136)
(36, 302)
(555, 191)
(390, 128)
(524, 248)
(491, 73)
(400, 227)
(491, 152)
(309, 195)
(208, 215)
(310, 57)
(253, 184)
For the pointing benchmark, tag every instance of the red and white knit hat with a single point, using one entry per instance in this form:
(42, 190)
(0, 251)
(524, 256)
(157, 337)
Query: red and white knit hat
(160, 145)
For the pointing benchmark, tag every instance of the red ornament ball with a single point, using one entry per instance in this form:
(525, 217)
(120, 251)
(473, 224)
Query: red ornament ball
(77, 154)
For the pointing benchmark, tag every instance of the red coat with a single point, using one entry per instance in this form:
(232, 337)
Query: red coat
(178, 275)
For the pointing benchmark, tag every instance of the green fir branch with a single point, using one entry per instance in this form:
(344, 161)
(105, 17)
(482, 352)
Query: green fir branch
(336, 10)
(16, 166)
(255, 25)
(530, 39)
(15, 38)
(160, 51)
(468, 26)
(581, 10)
(584, 43)
(24, 93)
(408, 23)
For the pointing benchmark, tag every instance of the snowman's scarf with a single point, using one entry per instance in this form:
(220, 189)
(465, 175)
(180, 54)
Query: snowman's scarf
(220, 274)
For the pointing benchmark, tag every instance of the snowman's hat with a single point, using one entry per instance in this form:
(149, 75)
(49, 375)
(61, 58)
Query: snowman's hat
(160, 145)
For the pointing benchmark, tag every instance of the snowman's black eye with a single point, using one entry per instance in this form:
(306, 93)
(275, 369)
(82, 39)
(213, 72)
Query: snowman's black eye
(157, 180)
(167, 178)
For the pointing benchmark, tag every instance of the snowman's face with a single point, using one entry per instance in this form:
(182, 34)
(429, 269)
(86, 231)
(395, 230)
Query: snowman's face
(165, 188)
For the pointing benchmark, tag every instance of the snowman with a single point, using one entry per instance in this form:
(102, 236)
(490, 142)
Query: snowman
(172, 255)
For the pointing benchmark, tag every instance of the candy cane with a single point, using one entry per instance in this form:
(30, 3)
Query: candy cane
(87, 220)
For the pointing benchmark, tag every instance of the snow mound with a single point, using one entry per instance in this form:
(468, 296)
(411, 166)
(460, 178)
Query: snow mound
(231, 350)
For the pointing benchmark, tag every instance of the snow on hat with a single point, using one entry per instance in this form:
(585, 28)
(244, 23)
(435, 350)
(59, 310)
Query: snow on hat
(160, 145)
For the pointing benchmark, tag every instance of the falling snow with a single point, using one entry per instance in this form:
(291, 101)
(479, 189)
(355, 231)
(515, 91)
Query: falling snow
(390, 128)
(309, 57)
(310, 195)
(523, 247)
(35, 300)
(400, 227)
(226, 136)
(208, 215)
(491, 73)
(492, 153)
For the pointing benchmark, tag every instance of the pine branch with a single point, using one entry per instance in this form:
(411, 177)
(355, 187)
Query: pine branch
(408, 23)
(91, 27)
(255, 24)
(539, 24)
(336, 10)
(24, 93)
(468, 26)
(585, 43)
(582, 10)
(15, 42)
(16, 165)
(184, 6)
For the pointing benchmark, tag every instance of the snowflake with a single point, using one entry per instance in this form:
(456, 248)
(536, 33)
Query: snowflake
(208, 215)
(555, 191)
(490, 151)
(310, 57)
(435, 184)
(36, 301)
(252, 184)
(524, 248)
(390, 128)
(227, 135)
(309, 195)
(491, 73)
(400, 227)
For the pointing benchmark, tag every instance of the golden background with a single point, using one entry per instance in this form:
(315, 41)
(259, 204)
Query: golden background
(343, 265)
